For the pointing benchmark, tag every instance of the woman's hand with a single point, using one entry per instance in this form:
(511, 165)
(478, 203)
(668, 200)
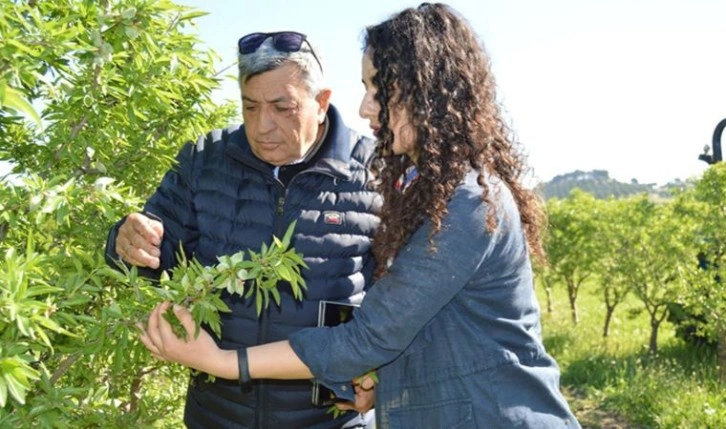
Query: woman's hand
(365, 396)
(200, 352)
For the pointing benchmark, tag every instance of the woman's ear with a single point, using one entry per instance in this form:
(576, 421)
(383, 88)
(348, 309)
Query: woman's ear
(408, 140)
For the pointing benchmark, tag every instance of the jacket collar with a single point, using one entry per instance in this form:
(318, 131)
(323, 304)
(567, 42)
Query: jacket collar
(333, 157)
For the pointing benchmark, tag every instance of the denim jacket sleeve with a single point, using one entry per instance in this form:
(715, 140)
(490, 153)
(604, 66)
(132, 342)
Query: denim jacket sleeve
(419, 283)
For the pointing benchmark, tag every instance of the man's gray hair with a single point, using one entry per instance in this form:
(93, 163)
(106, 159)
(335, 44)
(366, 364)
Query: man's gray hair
(267, 58)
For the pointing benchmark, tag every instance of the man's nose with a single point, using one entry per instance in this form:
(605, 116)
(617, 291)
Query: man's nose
(266, 121)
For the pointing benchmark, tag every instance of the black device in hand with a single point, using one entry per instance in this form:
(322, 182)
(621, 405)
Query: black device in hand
(330, 313)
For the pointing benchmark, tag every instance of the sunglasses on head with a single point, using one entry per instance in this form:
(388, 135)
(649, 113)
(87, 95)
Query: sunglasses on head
(283, 41)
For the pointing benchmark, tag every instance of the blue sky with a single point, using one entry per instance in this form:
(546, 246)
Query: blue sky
(634, 87)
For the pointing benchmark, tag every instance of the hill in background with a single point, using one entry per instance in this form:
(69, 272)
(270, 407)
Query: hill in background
(601, 185)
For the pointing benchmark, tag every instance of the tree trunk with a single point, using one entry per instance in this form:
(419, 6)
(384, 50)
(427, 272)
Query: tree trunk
(608, 316)
(572, 295)
(550, 302)
(654, 325)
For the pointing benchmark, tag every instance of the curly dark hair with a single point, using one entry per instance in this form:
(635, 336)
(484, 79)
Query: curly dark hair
(430, 61)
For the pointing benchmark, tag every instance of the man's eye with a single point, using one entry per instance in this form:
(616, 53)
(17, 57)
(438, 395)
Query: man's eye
(250, 108)
(283, 109)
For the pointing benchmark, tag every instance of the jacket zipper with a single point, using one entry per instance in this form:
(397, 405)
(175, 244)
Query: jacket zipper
(264, 321)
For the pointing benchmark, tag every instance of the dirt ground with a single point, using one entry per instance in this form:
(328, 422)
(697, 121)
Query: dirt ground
(591, 417)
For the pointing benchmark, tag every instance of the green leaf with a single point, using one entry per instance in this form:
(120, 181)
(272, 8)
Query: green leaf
(285, 272)
(192, 15)
(26, 50)
(266, 298)
(218, 304)
(212, 319)
(288, 235)
(244, 274)
(3, 393)
(225, 262)
(296, 258)
(138, 113)
(22, 323)
(239, 287)
(132, 33)
(16, 388)
(44, 338)
(335, 411)
(40, 289)
(276, 243)
(258, 302)
(52, 325)
(14, 100)
(275, 295)
(114, 310)
(129, 13)
(236, 258)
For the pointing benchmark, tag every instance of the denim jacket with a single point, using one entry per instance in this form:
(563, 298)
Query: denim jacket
(454, 334)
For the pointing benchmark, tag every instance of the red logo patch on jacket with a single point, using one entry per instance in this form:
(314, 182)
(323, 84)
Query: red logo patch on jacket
(333, 218)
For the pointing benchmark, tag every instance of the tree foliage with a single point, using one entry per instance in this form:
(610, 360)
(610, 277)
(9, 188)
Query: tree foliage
(658, 260)
(649, 247)
(705, 203)
(96, 97)
(572, 245)
(615, 232)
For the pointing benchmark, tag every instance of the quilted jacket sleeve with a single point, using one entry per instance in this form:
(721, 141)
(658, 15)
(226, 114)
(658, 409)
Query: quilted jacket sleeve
(173, 205)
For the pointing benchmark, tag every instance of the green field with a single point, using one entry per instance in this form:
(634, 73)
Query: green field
(615, 383)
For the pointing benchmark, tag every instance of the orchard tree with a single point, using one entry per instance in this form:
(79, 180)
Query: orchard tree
(96, 98)
(705, 204)
(658, 259)
(615, 235)
(548, 280)
(572, 243)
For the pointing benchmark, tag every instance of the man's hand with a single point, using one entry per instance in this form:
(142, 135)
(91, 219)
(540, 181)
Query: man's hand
(365, 396)
(139, 239)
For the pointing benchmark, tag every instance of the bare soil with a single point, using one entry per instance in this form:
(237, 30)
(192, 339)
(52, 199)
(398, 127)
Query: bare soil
(591, 416)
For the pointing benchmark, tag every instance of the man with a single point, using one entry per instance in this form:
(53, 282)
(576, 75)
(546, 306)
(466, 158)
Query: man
(293, 159)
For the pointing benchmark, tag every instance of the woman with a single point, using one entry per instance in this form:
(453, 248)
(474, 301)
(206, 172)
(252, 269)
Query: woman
(452, 324)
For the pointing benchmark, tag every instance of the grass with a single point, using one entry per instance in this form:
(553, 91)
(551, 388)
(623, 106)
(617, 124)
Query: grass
(615, 383)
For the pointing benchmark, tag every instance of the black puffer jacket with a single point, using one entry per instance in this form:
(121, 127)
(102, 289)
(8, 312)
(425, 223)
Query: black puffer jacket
(221, 199)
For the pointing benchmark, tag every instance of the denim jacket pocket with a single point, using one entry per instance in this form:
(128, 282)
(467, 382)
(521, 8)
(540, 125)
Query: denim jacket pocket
(450, 414)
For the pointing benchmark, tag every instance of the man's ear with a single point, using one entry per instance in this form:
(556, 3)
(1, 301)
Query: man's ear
(323, 99)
